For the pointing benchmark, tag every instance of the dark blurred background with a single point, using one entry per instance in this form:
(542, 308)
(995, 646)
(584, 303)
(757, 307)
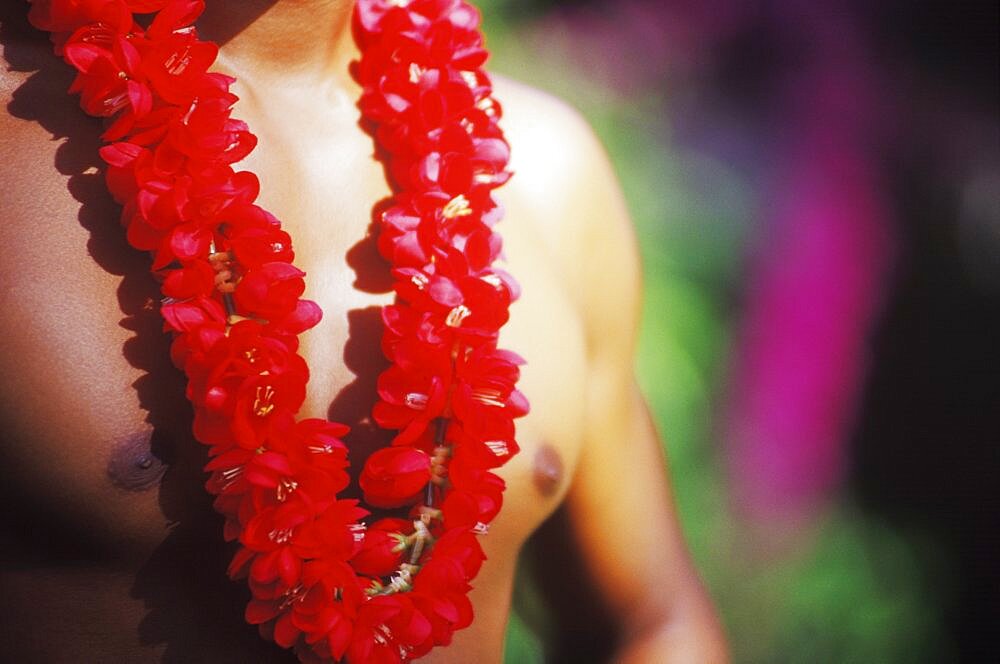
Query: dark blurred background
(817, 191)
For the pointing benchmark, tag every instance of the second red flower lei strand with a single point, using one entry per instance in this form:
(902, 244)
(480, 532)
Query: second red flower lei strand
(321, 581)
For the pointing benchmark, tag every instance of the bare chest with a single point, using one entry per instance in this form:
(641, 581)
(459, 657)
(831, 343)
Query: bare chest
(93, 414)
(95, 439)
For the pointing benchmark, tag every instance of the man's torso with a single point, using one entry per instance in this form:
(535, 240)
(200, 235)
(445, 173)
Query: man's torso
(110, 547)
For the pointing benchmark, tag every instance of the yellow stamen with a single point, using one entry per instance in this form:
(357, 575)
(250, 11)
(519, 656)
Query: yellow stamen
(493, 280)
(178, 62)
(488, 397)
(280, 536)
(262, 405)
(487, 106)
(291, 596)
(457, 315)
(456, 207)
(498, 447)
(420, 281)
(470, 78)
(416, 71)
(416, 401)
(285, 488)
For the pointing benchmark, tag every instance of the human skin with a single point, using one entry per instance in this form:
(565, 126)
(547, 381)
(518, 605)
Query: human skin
(103, 560)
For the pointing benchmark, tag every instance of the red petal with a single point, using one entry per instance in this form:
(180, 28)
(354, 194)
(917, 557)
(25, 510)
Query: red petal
(177, 14)
(289, 566)
(276, 462)
(258, 612)
(239, 562)
(264, 568)
(445, 292)
(120, 155)
(340, 638)
(285, 633)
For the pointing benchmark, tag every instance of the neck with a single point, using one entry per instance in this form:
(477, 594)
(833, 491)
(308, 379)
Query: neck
(285, 40)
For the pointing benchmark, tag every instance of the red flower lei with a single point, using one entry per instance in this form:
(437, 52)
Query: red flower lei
(321, 581)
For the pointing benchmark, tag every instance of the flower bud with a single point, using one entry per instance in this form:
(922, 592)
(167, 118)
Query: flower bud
(394, 476)
(383, 548)
(270, 291)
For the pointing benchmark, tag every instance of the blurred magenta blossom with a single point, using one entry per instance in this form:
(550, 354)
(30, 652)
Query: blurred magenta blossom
(816, 283)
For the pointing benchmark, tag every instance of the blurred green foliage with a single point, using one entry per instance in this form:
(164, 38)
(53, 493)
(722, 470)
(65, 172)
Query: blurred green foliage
(843, 589)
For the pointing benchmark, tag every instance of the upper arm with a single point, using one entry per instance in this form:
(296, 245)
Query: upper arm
(619, 514)
(620, 503)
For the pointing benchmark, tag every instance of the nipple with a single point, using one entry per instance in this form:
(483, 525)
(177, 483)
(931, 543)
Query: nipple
(132, 466)
(548, 470)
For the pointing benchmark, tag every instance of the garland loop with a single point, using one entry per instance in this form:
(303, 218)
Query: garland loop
(322, 581)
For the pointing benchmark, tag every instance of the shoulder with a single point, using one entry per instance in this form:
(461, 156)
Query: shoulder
(548, 135)
(36, 113)
(23, 50)
(48, 158)
(555, 155)
(563, 175)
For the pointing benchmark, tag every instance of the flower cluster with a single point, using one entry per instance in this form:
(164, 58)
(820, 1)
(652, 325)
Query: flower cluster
(322, 581)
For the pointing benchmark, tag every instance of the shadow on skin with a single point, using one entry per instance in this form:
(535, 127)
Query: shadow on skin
(26, 50)
(353, 404)
(363, 356)
(192, 607)
(578, 624)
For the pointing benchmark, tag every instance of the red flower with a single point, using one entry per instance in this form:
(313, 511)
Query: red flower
(304, 316)
(188, 316)
(268, 478)
(388, 629)
(255, 246)
(315, 443)
(123, 159)
(215, 188)
(486, 396)
(334, 535)
(276, 479)
(440, 593)
(265, 403)
(250, 350)
(205, 130)
(413, 229)
(383, 548)
(245, 385)
(109, 77)
(410, 399)
(419, 333)
(146, 6)
(328, 622)
(271, 535)
(476, 495)
(237, 470)
(472, 305)
(64, 16)
(270, 291)
(395, 476)
(490, 449)
(174, 60)
(462, 547)
(196, 279)
(369, 16)
(193, 347)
